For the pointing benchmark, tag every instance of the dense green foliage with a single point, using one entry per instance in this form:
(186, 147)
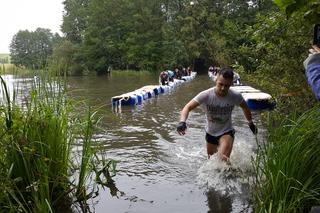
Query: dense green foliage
(32, 49)
(287, 167)
(155, 35)
(310, 9)
(257, 38)
(274, 57)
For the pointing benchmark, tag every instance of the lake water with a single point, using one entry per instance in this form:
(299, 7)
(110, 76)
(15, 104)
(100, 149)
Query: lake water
(159, 170)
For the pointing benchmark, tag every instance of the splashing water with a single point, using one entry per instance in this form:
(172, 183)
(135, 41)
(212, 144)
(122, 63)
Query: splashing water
(228, 179)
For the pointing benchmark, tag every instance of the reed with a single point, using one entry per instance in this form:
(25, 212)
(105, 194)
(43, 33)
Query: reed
(287, 166)
(36, 167)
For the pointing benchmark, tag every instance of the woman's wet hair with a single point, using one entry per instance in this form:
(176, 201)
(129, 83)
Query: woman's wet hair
(227, 73)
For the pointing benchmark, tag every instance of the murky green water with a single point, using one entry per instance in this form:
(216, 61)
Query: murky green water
(159, 170)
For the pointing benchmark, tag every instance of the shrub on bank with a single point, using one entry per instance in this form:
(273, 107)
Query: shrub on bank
(287, 166)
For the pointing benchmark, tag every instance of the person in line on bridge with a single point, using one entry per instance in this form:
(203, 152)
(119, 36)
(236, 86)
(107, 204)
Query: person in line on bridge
(189, 70)
(216, 70)
(171, 75)
(236, 79)
(210, 69)
(164, 78)
(178, 73)
(184, 72)
(218, 103)
(312, 67)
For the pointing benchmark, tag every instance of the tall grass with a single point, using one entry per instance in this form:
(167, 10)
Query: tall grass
(36, 168)
(288, 166)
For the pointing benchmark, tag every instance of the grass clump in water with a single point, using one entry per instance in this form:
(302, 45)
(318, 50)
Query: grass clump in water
(36, 153)
(287, 167)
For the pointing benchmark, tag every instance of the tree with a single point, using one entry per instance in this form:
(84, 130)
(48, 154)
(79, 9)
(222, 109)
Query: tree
(32, 49)
(63, 59)
(104, 37)
(145, 37)
(75, 19)
(160, 34)
(42, 46)
(130, 36)
(310, 9)
(20, 49)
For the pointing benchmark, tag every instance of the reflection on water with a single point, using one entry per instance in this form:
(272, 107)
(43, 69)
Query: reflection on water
(159, 170)
(17, 88)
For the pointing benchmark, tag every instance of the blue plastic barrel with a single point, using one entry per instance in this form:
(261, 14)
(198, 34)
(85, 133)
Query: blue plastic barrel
(139, 99)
